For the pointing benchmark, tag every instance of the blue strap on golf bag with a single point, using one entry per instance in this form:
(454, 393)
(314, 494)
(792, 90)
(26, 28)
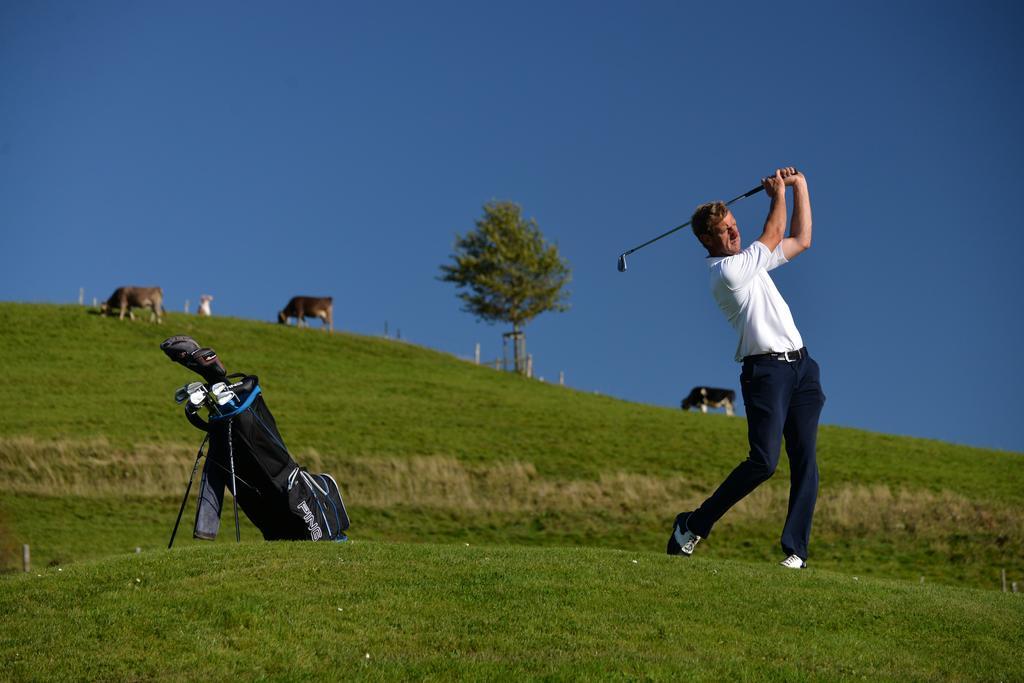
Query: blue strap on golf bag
(235, 410)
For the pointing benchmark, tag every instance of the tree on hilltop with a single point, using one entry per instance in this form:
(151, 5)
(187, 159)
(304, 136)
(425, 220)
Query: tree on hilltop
(507, 272)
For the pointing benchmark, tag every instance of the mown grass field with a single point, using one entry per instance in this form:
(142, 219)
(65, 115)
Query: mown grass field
(292, 611)
(551, 488)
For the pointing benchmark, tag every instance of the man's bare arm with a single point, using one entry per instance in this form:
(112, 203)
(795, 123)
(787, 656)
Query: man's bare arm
(775, 224)
(799, 238)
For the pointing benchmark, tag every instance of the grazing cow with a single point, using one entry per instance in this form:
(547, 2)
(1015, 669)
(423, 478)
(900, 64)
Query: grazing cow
(204, 305)
(126, 298)
(313, 306)
(710, 397)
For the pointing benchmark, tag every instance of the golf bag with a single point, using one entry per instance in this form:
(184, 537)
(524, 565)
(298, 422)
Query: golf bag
(247, 455)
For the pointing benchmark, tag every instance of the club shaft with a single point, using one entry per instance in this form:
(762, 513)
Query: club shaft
(687, 223)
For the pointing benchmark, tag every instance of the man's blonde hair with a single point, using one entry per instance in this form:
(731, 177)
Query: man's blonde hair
(707, 216)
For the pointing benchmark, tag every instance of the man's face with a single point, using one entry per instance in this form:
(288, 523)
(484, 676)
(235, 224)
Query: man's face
(723, 239)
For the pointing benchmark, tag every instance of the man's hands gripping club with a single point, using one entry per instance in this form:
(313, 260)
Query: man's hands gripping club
(775, 225)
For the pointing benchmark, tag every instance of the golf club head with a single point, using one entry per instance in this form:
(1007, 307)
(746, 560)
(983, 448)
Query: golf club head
(197, 397)
(182, 394)
(221, 393)
(178, 347)
(204, 361)
(622, 263)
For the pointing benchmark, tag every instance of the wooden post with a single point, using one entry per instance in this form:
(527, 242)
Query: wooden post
(81, 295)
(523, 358)
(1003, 572)
(1013, 586)
(26, 558)
(476, 354)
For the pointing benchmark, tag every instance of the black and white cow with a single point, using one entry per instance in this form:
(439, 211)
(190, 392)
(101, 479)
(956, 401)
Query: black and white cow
(710, 397)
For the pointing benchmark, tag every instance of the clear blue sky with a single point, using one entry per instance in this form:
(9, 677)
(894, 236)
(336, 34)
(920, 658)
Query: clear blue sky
(256, 150)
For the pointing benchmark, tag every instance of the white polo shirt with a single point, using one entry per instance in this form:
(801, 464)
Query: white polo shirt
(748, 297)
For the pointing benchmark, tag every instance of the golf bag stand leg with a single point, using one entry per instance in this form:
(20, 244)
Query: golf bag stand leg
(234, 490)
(188, 488)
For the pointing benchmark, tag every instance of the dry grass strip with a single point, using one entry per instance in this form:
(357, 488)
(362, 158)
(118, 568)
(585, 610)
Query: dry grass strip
(93, 468)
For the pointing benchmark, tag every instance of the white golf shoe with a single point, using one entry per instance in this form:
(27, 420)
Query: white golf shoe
(793, 562)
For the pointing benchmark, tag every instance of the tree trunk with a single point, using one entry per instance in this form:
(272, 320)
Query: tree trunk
(519, 348)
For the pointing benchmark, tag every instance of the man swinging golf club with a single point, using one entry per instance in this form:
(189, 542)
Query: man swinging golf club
(780, 382)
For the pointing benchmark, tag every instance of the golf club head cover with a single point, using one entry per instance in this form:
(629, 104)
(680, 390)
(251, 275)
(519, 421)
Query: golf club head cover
(201, 360)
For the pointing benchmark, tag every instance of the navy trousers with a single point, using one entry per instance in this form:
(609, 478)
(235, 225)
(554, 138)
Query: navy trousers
(782, 399)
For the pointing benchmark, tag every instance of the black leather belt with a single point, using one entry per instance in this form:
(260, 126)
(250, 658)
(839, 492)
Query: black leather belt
(789, 356)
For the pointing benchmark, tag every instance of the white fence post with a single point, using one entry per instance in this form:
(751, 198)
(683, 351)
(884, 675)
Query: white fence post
(476, 354)
(81, 296)
(26, 558)
(561, 378)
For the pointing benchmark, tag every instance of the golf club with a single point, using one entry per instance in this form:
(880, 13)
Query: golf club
(197, 395)
(182, 394)
(623, 255)
(222, 393)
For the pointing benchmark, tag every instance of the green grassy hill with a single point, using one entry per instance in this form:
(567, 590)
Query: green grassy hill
(315, 611)
(94, 456)
(451, 473)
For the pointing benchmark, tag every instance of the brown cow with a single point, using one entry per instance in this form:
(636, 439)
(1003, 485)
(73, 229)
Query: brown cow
(314, 306)
(126, 298)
